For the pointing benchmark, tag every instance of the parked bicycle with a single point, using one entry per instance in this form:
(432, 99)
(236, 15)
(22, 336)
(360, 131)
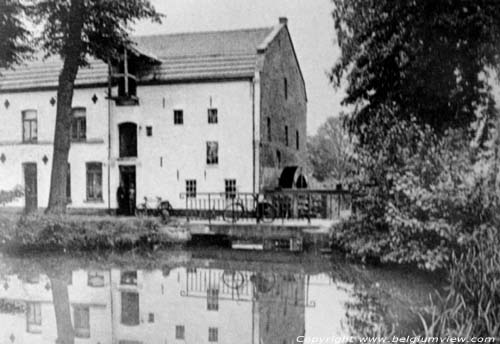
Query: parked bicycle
(264, 211)
(161, 208)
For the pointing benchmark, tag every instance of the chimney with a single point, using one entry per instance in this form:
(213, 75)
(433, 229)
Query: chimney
(283, 20)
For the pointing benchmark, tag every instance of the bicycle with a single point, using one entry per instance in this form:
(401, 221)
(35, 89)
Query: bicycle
(163, 208)
(264, 212)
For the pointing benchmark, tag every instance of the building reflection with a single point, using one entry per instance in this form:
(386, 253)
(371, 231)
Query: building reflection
(183, 305)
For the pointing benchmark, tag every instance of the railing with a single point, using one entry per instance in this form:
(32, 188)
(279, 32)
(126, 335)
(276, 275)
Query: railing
(301, 204)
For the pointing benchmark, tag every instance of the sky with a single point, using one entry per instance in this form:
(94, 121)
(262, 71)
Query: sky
(311, 28)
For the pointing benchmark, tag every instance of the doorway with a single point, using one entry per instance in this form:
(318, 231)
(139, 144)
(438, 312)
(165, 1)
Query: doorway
(30, 187)
(126, 195)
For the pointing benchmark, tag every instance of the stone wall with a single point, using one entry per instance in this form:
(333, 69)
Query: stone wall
(283, 105)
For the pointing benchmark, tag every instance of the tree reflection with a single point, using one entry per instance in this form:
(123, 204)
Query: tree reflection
(60, 297)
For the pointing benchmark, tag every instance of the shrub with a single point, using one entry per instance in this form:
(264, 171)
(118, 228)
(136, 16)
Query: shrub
(428, 195)
(77, 232)
(471, 306)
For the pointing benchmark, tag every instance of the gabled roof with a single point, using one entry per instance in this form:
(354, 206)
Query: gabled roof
(184, 56)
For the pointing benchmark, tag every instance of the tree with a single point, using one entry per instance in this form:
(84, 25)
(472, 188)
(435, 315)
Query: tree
(14, 37)
(76, 30)
(330, 152)
(421, 59)
(418, 75)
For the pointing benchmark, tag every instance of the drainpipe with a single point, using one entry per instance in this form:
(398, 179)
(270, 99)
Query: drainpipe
(253, 137)
(109, 137)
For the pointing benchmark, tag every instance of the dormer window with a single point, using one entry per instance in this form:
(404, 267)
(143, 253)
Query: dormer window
(125, 73)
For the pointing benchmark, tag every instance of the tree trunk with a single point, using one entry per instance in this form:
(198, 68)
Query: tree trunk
(60, 298)
(72, 58)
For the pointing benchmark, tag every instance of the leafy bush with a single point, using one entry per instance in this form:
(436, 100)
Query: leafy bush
(427, 195)
(76, 232)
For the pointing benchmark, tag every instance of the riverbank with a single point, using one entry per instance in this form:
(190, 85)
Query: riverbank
(82, 232)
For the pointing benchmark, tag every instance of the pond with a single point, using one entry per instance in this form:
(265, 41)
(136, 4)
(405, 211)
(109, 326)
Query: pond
(203, 295)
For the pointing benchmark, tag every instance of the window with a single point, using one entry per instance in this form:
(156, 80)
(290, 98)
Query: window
(78, 124)
(230, 186)
(269, 137)
(213, 334)
(212, 116)
(191, 188)
(212, 299)
(30, 126)
(130, 308)
(149, 130)
(128, 139)
(178, 117)
(278, 158)
(212, 153)
(180, 332)
(297, 142)
(286, 135)
(128, 278)
(81, 318)
(95, 279)
(285, 86)
(94, 181)
(33, 317)
(151, 318)
(68, 184)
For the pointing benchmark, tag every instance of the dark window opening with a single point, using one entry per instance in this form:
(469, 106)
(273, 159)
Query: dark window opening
(81, 319)
(95, 279)
(212, 116)
(68, 183)
(33, 317)
(286, 135)
(180, 332)
(213, 334)
(230, 187)
(212, 153)
(128, 139)
(269, 137)
(178, 117)
(149, 131)
(285, 85)
(130, 308)
(94, 181)
(78, 124)
(278, 158)
(297, 142)
(30, 126)
(128, 278)
(212, 299)
(191, 188)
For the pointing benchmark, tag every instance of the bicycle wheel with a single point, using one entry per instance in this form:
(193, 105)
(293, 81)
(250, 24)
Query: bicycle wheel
(267, 212)
(233, 212)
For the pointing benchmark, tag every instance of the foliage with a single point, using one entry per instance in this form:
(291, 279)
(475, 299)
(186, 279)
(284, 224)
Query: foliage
(329, 152)
(472, 304)
(425, 60)
(7, 196)
(38, 231)
(104, 31)
(14, 37)
(428, 196)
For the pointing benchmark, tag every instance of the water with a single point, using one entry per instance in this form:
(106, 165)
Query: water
(202, 296)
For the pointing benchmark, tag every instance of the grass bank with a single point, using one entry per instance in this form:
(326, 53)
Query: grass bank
(80, 232)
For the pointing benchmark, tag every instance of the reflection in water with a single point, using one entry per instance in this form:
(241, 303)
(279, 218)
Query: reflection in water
(201, 301)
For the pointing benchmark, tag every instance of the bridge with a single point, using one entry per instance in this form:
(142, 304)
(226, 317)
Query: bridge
(284, 219)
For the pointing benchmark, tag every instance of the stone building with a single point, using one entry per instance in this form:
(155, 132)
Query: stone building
(180, 113)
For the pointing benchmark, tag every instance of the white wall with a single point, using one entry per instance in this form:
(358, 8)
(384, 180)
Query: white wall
(182, 148)
(17, 153)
